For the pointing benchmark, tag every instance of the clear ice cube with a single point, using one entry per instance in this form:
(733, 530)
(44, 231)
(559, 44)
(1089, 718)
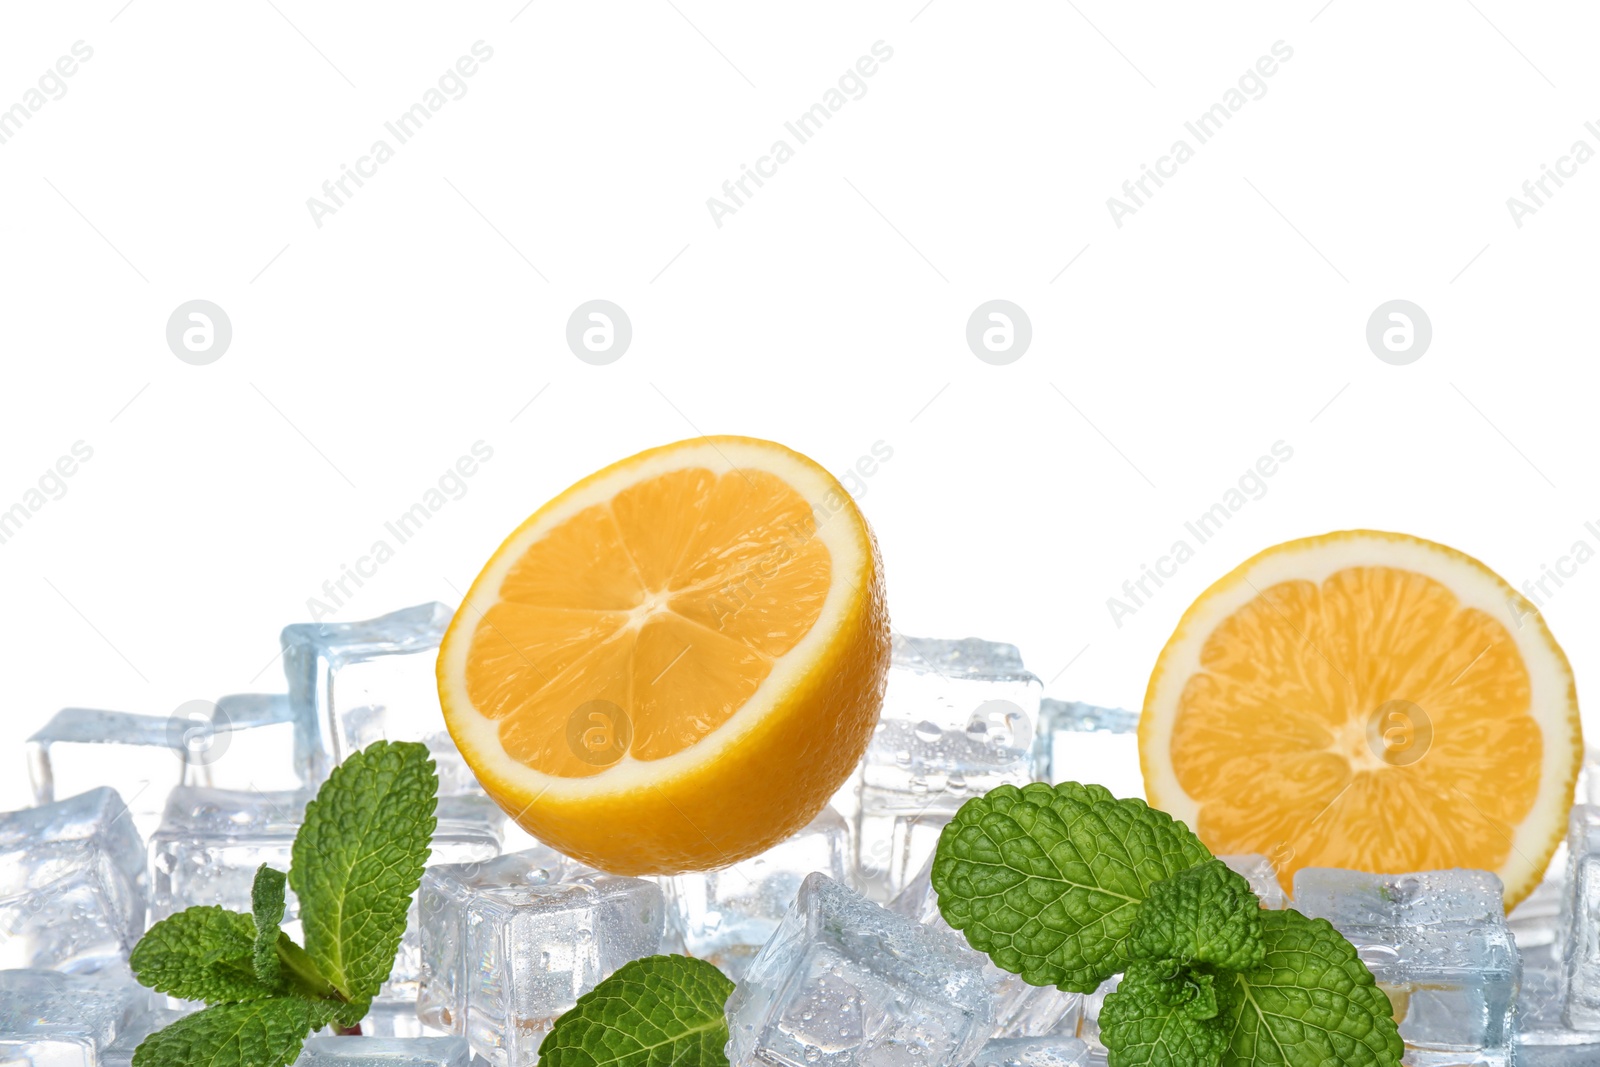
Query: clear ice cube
(1262, 876)
(1078, 742)
(385, 1052)
(1020, 1010)
(72, 884)
(958, 719)
(844, 982)
(726, 915)
(1580, 919)
(49, 1019)
(211, 841)
(353, 683)
(1033, 1052)
(120, 1052)
(510, 944)
(1438, 944)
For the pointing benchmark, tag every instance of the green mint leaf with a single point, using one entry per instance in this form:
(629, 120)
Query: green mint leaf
(201, 953)
(654, 1012)
(261, 1033)
(266, 902)
(358, 859)
(1206, 914)
(1163, 1015)
(1311, 1002)
(1048, 880)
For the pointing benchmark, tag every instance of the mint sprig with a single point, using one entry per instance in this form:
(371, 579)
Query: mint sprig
(1068, 885)
(356, 863)
(659, 1010)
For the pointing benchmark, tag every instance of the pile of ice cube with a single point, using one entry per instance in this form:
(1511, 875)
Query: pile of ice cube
(834, 937)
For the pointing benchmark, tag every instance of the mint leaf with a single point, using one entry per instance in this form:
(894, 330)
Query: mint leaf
(266, 902)
(358, 859)
(1048, 881)
(1163, 1015)
(654, 1012)
(1311, 1002)
(201, 953)
(262, 1033)
(1207, 914)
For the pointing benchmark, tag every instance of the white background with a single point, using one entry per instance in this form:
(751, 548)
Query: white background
(828, 313)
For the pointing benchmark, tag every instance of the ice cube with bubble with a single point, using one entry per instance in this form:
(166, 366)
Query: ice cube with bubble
(72, 884)
(958, 719)
(211, 841)
(510, 944)
(1438, 944)
(353, 683)
(726, 915)
(50, 1019)
(1020, 1010)
(1078, 742)
(1033, 1052)
(844, 982)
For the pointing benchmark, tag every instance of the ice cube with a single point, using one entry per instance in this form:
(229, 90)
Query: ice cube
(1437, 942)
(1020, 1009)
(385, 1052)
(958, 719)
(510, 944)
(1583, 1050)
(49, 1019)
(1262, 876)
(1580, 919)
(120, 1052)
(1033, 1052)
(211, 841)
(844, 982)
(726, 915)
(353, 683)
(1078, 742)
(72, 884)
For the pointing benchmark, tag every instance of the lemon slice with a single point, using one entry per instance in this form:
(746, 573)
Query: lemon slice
(1366, 700)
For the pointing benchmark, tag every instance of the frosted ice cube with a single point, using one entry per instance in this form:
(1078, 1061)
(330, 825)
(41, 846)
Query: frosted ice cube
(1262, 876)
(72, 884)
(1020, 1009)
(726, 915)
(1437, 942)
(1078, 742)
(353, 683)
(385, 1052)
(1582, 1050)
(49, 1019)
(510, 944)
(211, 841)
(1033, 1052)
(958, 719)
(844, 982)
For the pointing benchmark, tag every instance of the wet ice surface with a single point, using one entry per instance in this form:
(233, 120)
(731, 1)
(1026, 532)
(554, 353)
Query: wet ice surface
(510, 944)
(1020, 1009)
(72, 884)
(385, 1052)
(1033, 1052)
(1438, 943)
(49, 1019)
(844, 981)
(353, 683)
(725, 916)
(1263, 879)
(958, 719)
